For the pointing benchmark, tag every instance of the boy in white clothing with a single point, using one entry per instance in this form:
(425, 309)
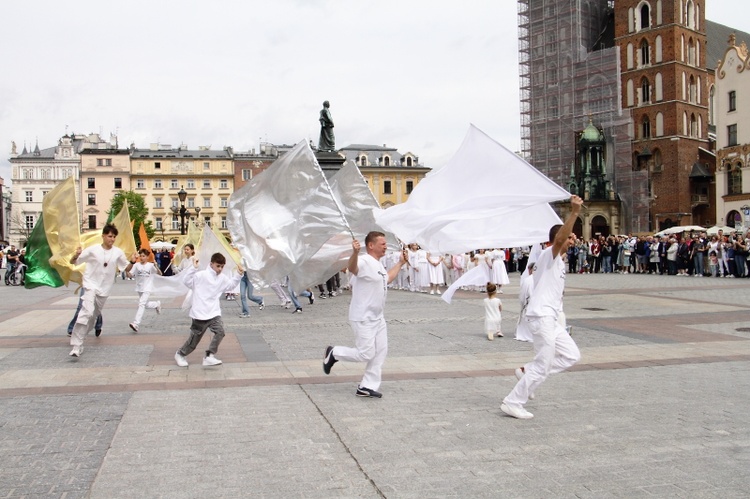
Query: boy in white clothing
(208, 285)
(144, 280)
(554, 349)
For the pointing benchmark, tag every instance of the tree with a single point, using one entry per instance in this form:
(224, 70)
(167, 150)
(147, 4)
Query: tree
(136, 209)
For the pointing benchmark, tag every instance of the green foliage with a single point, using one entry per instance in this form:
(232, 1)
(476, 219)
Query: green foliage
(136, 209)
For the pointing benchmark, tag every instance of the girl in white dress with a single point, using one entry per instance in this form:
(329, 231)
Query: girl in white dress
(413, 268)
(482, 260)
(492, 313)
(499, 272)
(423, 276)
(435, 271)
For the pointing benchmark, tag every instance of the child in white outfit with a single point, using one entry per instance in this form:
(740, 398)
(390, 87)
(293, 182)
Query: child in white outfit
(144, 272)
(492, 312)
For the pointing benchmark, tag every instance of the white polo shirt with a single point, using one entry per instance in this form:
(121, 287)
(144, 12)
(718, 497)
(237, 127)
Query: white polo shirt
(368, 290)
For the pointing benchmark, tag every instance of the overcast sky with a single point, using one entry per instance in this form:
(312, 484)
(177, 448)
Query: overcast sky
(412, 74)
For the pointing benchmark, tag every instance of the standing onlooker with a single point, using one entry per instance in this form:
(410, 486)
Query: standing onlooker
(366, 314)
(493, 308)
(555, 349)
(102, 262)
(246, 293)
(208, 285)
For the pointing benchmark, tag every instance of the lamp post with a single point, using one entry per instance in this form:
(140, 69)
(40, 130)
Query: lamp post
(181, 210)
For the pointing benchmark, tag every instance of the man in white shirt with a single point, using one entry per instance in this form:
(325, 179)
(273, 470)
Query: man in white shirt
(102, 262)
(366, 313)
(555, 350)
(208, 286)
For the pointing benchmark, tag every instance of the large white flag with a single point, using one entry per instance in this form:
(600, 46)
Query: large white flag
(485, 197)
(283, 217)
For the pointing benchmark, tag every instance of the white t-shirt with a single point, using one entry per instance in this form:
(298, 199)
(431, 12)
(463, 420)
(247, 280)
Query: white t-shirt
(549, 284)
(101, 267)
(144, 276)
(369, 290)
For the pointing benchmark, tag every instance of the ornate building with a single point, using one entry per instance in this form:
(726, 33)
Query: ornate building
(732, 115)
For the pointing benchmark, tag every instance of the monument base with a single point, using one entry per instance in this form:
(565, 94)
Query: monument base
(330, 162)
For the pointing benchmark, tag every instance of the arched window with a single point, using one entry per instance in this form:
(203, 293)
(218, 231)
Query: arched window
(690, 14)
(691, 51)
(645, 91)
(645, 128)
(554, 109)
(692, 90)
(711, 105)
(659, 124)
(552, 75)
(28, 173)
(363, 160)
(630, 94)
(658, 13)
(693, 126)
(700, 126)
(408, 161)
(629, 56)
(631, 20)
(657, 158)
(645, 18)
(735, 180)
(645, 59)
(387, 161)
(684, 124)
(684, 86)
(658, 90)
(657, 49)
(682, 48)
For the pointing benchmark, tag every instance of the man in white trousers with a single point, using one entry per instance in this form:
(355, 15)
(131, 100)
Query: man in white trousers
(555, 350)
(369, 282)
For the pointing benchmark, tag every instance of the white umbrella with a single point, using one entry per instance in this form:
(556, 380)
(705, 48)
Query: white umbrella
(162, 245)
(713, 231)
(679, 229)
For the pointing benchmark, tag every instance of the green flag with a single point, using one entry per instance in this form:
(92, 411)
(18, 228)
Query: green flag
(39, 272)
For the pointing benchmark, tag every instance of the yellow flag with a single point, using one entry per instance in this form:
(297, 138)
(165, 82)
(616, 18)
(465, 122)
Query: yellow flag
(193, 237)
(233, 253)
(61, 226)
(125, 240)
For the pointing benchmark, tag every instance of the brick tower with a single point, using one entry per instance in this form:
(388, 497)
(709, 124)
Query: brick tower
(664, 86)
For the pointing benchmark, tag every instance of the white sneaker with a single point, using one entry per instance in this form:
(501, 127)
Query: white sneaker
(438, 292)
(210, 360)
(134, 327)
(516, 412)
(519, 374)
(76, 352)
(432, 292)
(180, 359)
(158, 307)
(287, 305)
(490, 336)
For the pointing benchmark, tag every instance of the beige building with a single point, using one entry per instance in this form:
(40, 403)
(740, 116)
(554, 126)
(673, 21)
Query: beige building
(104, 171)
(391, 175)
(205, 176)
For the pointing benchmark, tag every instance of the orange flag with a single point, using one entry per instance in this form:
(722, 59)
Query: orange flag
(144, 242)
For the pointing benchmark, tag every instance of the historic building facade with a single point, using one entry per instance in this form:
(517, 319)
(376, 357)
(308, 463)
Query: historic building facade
(104, 171)
(732, 113)
(390, 175)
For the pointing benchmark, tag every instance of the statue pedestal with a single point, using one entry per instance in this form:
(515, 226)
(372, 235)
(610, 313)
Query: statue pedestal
(330, 162)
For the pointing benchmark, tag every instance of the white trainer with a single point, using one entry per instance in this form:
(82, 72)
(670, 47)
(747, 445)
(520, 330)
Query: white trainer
(76, 352)
(180, 359)
(516, 412)
(210, 360)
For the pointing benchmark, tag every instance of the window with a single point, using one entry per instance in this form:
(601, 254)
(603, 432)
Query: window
(732, 135)
(175, 202)
(157, 165)
(44, 193)
(207, 221)
(191, 202)
(29, 196)
(223, 184)
(28, 174)
(67, 173)
(645, 91)
(363, 160)
(645, 58)
(206, 165)
(191, 183)
(92, 199)
(29, 221)
(206, 184)
(247, 175)
(645, 19)
(92, 221)
(175, 223)
(554, 109)
(387, 161)
(223, 222)
(645, 128)
(206, 202)
(735, 180)
(157, 203)
(157, 183)
(657, 158)
(173, 184)
(224, 202)
(409, 161)
(732, 100)
(103, 162)
(118, 183)
(46, 174)
(91, 183)
(159, 225)
(387, 187)
(409, 186)
(140, 184)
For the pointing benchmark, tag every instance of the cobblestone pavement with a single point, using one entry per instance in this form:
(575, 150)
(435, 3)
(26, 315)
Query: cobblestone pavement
(657, 407)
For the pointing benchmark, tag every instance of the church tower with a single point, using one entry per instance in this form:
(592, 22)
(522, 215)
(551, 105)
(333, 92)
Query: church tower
(664, 80)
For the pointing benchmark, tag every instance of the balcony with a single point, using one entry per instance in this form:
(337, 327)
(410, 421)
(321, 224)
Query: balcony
(699, 199)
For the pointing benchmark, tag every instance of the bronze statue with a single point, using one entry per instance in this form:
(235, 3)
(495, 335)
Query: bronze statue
(327, 141)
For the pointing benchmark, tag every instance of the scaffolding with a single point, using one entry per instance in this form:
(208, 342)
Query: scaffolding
(569, 74)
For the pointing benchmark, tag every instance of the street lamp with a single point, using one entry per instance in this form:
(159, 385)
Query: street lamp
(181, 210)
